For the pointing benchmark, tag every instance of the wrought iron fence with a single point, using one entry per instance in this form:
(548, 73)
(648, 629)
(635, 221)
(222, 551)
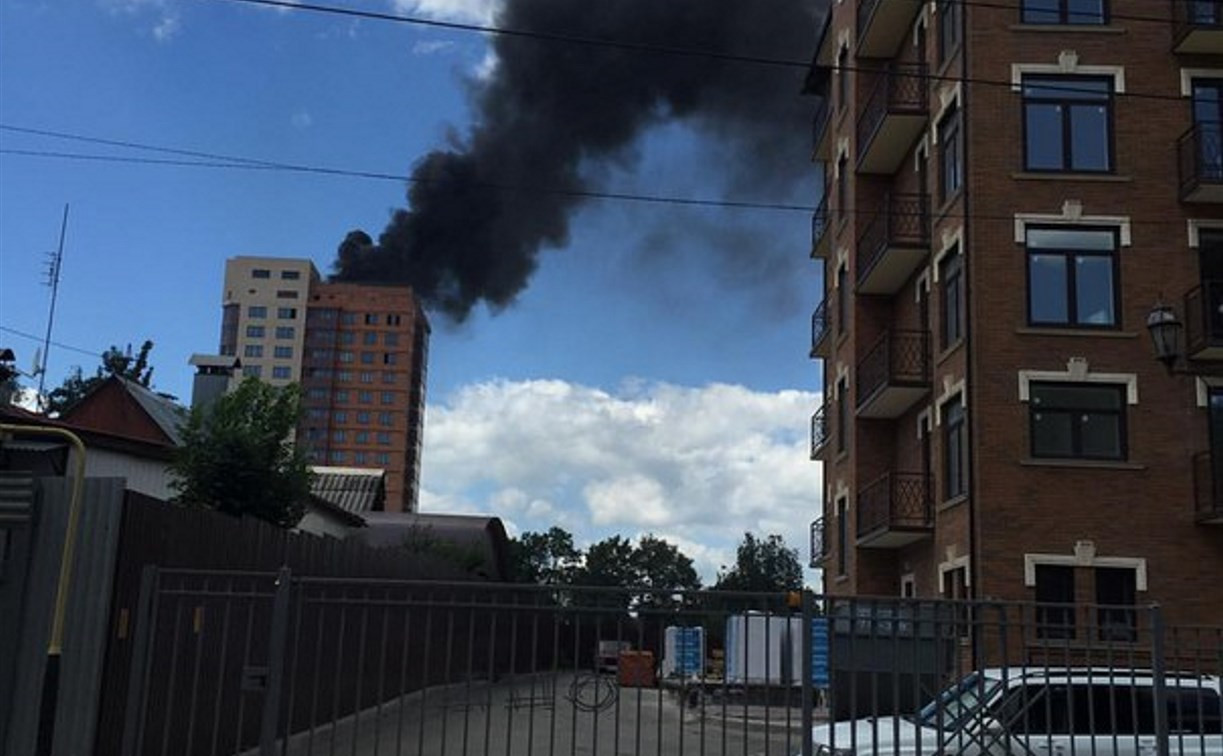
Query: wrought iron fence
(819, 224)
(901, 88)
(821, 324)
(902, 220)
(819, 544)
(899, 357)
(895, 501)
(820, 432)
(1200, 152)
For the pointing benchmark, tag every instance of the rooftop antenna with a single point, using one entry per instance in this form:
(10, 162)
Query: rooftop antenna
(53, 269)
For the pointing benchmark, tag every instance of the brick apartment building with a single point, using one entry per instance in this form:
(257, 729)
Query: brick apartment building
(360, 352)
(1010, 190)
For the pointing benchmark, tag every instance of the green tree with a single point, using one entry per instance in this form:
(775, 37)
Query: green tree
(766, 565)
(548, 558)
(610, 563)
(238, 456)
(115, 361)
(662, 566)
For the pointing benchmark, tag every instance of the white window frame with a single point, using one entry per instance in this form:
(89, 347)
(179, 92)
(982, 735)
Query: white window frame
(1077, 371)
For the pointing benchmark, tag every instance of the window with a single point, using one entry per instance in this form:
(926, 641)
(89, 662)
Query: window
(313, 434)
(842, 415)
(346, 356)
(363, 418)
(284, 332)
(955, 449)
(390, 338)
(1065, 11)
(254, 371)
(388, 397)
(367, 358)
(339, 436)
(388, 376)
(338, 457)
(366, 376)
(955, 587)
(1072, 277)
(347, 337)
(261, 273)
(315, 394)
(341, 396)
(365, 397)
(348, 318)
(392, 320)
(842, 177)
(344, 376)
(286, 294)
(1116, 588)
(951, 151)
(283, 352)
(382, 458)
(252, 350)
(951, 278)
(371, 319)
(341, 416)
(362, 437)
(254, 332)
(1068, 123)
(290, 275)
(369, 338)
(843, 297)
(388, 358)
(317, 414)
(384, 438)
(384, 418)
(1078, 420)
(256, 311)
(948, 28)
(842, 536)
(286, 313)
(358, 458)
(842, 78)
(1054, 586)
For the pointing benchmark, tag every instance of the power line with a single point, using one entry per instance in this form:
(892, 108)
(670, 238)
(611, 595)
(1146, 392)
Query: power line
(61, 345)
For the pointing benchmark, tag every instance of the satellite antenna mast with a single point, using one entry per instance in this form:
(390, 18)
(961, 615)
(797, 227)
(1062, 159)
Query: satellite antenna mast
(53, 268)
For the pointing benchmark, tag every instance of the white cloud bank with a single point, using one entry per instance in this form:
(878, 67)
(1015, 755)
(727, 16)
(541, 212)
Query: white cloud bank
(465, 11)
(697, 466)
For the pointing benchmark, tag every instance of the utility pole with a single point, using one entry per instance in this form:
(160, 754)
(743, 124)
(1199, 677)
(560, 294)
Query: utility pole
(53, 268)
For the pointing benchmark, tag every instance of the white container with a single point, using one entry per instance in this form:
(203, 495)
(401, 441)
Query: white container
(764, 649)
(683, 652)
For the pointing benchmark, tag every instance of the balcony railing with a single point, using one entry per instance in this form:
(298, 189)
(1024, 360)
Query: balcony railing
(1200, 153)
(894, 374)
(894, 510)
(819, 545)
(883, 24)
(1204, 321)
(893, 117)
(821, 326)
(821, 142)
(819, 431)
(894, 243)
(1197, 26)
(1208, 487)
(819, 229)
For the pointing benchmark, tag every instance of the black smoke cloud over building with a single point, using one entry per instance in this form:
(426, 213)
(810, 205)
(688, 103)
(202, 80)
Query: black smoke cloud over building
(480, 211)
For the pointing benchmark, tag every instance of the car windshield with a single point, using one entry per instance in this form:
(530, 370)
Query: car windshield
(959, 702)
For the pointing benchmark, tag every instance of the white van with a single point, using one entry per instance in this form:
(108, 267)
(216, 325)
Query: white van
(1044, 712)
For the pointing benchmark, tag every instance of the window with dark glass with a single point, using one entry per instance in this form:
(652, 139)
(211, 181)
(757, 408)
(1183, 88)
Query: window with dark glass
(843, 297)
(388, 397)
(286, 294)
(348, 318)
(363, 417)
(842, 177)
(252, 350)
(388, 358)
(392, 320)
(1065, 11)
(369, 337)
(256, 311)
(284, 332)
(385, 418)
(955, 449)
(1072, 277)
(341, 396)
(261, 273)
(842, 78)
(1077, 420)
(390, 338)
(948, 28)
(362, 437)
(341, 416)
(842, 415)
(286, 313)
(254, 332)
(366, 377)
(384, 438)
(950, 154)
(382, 458)
(951, 280)
(254, 371)
(388, 376)
(1054, 586)
(367, 358)
(1068, 123)
(346, 356)
(371, 319)
(347, 337)
(1116, 594)
(842, 536)
(283, 352)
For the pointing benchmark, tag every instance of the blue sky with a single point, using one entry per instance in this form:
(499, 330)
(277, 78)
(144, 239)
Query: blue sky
(677, 376)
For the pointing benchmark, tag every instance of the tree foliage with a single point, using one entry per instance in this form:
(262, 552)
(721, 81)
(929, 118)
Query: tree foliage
(762, 565)
(549, 558)
(238, 457)
(115, 361)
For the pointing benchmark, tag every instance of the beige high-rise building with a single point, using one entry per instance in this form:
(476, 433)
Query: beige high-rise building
(263, 321)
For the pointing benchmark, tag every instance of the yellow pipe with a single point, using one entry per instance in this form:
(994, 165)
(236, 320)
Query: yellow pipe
(56, 645)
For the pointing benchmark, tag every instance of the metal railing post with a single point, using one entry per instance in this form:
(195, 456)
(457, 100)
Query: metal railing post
(276, 663)
(808, 713)
(1159, 682)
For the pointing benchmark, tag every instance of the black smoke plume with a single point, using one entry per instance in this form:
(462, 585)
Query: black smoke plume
(480, 211)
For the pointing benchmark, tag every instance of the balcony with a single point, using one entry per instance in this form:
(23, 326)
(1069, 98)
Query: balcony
(895, 510)
(894, 244)
(821, 134)
(1197, 26)
(819, 545)
(1200, 155)
(883, 24)
(896, 112)
(821, 326)
(819, 431)
(1208, 488)
(819, 229)
(1204, 321)
(894, 375)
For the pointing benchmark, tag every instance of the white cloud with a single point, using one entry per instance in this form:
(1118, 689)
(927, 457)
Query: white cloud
(466, 11)
(698, 466)
(431, 46)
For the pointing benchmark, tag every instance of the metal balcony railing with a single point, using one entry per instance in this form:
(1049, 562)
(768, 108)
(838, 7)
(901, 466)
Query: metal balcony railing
(1207, 487)
(819, 225)
(1189, 16)
(902, 220)
(1200, 157)
(819, 431)
(902, 89)
(819, 129)
(821, 325)
(819, 544)
(898, 358)
(895, 501)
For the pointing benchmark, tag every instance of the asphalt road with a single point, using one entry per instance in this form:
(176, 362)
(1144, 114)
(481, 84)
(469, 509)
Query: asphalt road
(564, 715)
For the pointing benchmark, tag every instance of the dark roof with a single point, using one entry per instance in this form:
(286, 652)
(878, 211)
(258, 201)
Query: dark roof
(482, 533)
(352, 489)
(351, 519)
(167, 413)
(116, 442)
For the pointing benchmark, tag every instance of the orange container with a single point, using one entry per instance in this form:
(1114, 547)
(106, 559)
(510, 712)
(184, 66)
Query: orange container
(635, 669)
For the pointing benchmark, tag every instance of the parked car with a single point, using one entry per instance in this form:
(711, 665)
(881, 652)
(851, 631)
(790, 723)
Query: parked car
(1046, 712)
